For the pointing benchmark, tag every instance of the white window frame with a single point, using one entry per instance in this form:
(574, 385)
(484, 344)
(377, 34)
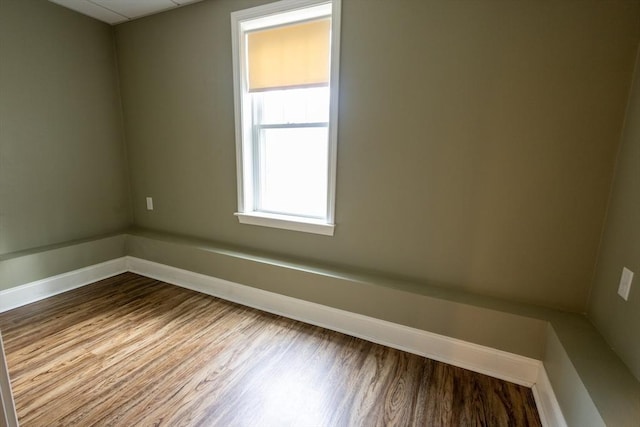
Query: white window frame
(273, 14)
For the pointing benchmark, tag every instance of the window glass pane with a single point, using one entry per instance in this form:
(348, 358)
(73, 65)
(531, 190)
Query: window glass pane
(306, 105)
(293, 171)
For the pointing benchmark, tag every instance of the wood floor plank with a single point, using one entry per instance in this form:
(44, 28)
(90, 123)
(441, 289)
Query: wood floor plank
(130, 350)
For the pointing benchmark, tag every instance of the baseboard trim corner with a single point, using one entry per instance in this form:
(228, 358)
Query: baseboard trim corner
(40, 289)
(546, 401)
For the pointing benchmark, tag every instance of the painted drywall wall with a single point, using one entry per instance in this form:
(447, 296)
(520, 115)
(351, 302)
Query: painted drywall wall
(591, 366)
(577, 406)
(24, 267)
(619, 320)
(476, 140)
(62, 160)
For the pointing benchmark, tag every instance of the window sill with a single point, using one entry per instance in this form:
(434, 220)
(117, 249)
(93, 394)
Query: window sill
(294, 223)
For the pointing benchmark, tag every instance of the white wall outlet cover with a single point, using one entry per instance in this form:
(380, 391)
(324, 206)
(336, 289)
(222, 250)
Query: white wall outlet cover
(149, 203)
(625, 283)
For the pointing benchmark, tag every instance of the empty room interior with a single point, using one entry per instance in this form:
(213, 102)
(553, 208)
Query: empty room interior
(482, 210)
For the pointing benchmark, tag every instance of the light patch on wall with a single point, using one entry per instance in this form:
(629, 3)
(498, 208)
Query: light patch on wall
(625, 283)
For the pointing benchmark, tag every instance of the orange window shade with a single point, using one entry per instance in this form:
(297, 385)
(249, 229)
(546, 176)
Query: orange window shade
(289, 56)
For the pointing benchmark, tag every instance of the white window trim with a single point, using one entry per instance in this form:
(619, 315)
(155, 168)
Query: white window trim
(308, 225)
(246, 214)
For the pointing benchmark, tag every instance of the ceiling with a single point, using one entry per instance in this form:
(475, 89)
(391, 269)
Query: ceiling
(117, 11)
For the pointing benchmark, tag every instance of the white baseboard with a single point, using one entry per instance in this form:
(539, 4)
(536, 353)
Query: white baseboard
(50, 286)
(548, 407)
(500, 364)
(496, 363)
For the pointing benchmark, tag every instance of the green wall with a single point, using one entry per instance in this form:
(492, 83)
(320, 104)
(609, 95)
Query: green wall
(476, 146)
(62, 160)
(619, 320)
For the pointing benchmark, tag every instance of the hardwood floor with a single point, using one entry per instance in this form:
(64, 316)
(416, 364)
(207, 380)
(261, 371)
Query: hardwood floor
(131, 351)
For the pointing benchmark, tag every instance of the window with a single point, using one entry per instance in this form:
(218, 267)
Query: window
(285, 63)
